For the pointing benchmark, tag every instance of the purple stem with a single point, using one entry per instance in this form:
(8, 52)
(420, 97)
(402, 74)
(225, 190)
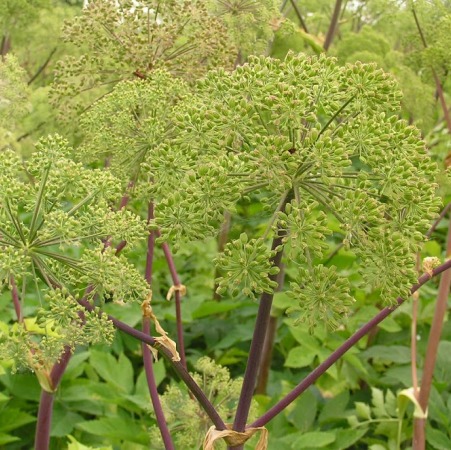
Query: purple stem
(42, 437)
(151, 383)
(177, 365)
(258, 338)
(45, 412)
(147, 354)
(255, 352)
(316, 373)
(178, 303)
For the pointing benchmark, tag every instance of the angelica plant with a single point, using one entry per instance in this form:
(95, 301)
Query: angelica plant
(55, 221)
(120, 40)
(319, 144)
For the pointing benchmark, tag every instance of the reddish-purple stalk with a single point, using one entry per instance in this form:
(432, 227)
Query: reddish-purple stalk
(44, 422)
(178, 302)
(45, 412)
(339, 352)
(151, 383)
(177, 365)
(258, 339)
(268, 346)
(147, 354)
(419, 438)
(415, 303)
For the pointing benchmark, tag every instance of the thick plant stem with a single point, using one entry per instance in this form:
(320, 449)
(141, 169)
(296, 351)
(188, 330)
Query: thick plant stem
(268, 346)
(147, 354)
(340, 351)
(431, 351)
(178, 302)
(42, 437)
(333, 25)
(177, 366)
(45, 412)
(151, 383)
(258, 338)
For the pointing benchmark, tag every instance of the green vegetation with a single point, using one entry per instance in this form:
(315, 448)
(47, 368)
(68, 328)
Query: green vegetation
(216, 217)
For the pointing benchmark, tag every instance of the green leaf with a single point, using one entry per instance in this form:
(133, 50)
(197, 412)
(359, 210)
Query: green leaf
(63, 421)
(315, 439)
(12, 418)
(363, 410)
(209, 308)
(116, 428)
(378, 401)
(346, 438)
(299, 357)
(334, 408)
(75, 445)
(388, 354)
(390, 325)
(7, 438)
(302, 414)
(23, 386)
(119, 372)
(437, 439)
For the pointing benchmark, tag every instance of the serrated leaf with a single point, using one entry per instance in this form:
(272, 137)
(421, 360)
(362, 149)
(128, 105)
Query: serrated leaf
(7, 438)
(302, 414)
(315, 439)
(387, 354)
(437, 439)
(12, 418)
(363, 410)
(346, 438)
(119, 428)
(378, 402)
(119, 372)
(334, 408)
